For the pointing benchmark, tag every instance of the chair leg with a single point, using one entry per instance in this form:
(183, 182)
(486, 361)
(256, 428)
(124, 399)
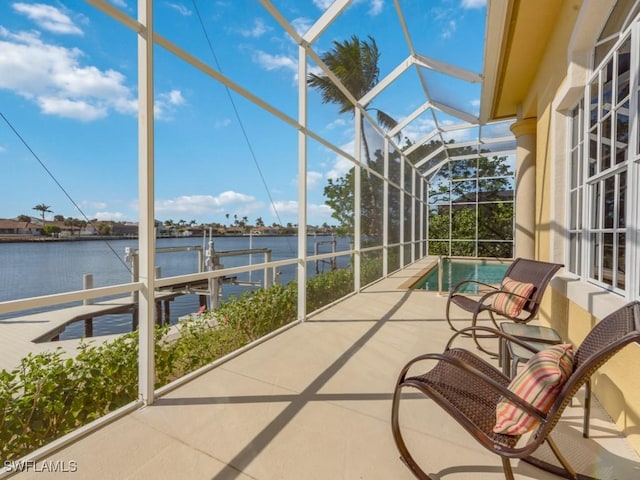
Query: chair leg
(514, 367)
(587, 409)
(506, 466)
(565, 464)
(567, 471)
(405, 456)
(447, 316)
(476, 336)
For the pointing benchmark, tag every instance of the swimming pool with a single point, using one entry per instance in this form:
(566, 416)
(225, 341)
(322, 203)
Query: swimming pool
(456, 270)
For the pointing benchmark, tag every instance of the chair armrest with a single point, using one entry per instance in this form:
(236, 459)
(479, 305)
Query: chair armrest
(464, 282)
(491, 383)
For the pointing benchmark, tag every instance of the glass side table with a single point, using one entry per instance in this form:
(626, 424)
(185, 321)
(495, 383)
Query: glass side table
(538, 337)
(535, 335)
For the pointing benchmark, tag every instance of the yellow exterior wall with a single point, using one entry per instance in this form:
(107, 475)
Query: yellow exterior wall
(617, 385)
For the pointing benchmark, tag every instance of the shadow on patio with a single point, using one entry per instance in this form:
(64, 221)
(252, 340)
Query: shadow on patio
(315, 402)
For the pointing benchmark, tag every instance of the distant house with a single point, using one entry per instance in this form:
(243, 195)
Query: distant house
(13, 227)
(234, 231)
(124, 229)
(66, 230)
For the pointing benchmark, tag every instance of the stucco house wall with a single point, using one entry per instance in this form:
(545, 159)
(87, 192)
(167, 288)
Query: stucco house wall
(572, 306)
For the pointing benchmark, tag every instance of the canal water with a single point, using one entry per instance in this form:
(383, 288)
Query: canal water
(30, 269)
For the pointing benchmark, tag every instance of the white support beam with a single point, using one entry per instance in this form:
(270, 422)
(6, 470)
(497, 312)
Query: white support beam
(493, 140)
(385, 82)
(447, 69)
(437, 151)
(459, 126)
(467, 117)
(434, 169)
(497, 152)
(403, 217)
(302, 184)
(403, 24)
(116, 14)
(275, 13)
(146, 196)
(470, 143)
(329, 15)
(421, 142)
(413, 212)
(385, 211)
(357, 198)
(421, 236)
(412, 116)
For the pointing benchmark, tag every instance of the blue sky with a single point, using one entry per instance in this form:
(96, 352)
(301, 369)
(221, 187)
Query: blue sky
(68, 90)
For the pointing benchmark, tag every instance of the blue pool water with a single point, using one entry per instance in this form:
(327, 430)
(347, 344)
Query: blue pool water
(454, 271)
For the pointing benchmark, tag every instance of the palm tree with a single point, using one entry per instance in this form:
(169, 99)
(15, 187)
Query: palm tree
(42, 208)
(355, 63)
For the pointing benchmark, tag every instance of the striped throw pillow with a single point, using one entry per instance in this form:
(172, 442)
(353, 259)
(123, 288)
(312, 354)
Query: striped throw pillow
(538, 384)
(508, 303)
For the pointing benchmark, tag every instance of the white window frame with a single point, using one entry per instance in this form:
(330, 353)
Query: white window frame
(580, 218)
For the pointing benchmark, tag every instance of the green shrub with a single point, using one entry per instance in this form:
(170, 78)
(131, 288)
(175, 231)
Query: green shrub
(328, 287)
(49, 395)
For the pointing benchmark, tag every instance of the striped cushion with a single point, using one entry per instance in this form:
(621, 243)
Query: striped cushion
(509, 304)
(538, 384)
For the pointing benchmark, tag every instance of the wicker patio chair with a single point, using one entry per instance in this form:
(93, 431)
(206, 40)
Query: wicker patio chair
(517, 298)
(470, 390)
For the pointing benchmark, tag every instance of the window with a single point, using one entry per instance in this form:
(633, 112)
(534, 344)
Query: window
(600, 167)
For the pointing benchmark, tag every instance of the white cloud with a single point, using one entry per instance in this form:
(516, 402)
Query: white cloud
(181, 9)
(115, 216)
(68, 108)
(449, 29)
(322, 4)
(119, 3)
(174, 97)
(257, 30)
(48, 17)
(287, 211)
(473, 3)
(376, 7)
(313, 179)
(418, 128)
(222, 123)
(284, 208)
(93, 205)
(2, 149)
(301, 25)
(337, 123)
(340, 167)
(52, 77)
(276, 62)
(165, 104)
(319, 213)
(273, 62)
(206, 205)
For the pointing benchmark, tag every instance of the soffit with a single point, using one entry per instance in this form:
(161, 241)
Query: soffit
(517, 35)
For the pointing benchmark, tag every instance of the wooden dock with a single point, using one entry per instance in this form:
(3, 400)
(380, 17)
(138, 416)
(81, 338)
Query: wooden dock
(39, 332)
(33, 333)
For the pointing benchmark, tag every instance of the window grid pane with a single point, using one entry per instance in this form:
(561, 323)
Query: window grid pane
(605, 143)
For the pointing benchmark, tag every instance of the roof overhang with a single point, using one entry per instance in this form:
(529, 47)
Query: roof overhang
(517, 34)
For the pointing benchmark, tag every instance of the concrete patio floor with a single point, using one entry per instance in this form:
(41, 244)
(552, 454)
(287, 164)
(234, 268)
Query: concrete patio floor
(314, 403)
